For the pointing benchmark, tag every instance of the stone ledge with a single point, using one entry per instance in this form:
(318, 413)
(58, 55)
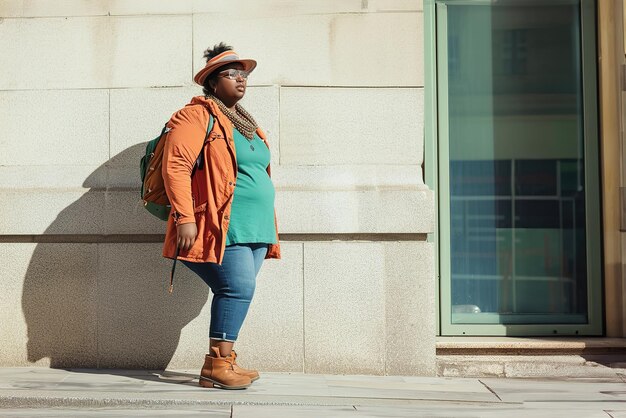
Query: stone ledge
(122, 173)
(486, 346)
(348, 177)
(53, 211)
(158, 238)
(536, 366)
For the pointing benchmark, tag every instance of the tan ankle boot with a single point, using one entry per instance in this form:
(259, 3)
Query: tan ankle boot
(252, 374)
(218, 372)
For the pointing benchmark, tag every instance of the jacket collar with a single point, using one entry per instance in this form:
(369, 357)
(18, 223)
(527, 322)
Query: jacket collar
(217, 113)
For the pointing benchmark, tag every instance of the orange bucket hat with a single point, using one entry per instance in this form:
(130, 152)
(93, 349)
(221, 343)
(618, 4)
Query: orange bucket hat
(217, 61)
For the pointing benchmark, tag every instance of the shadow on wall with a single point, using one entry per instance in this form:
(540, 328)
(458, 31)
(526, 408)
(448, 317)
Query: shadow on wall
(105, 304)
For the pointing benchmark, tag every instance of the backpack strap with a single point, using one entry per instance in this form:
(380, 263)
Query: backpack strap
(200, 160)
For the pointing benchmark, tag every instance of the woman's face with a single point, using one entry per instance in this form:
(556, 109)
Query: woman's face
(226, 89)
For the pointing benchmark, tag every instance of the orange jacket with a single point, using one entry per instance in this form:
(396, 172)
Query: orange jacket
(205, 199)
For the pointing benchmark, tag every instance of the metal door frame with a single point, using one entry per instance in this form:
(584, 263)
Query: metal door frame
(437, 177)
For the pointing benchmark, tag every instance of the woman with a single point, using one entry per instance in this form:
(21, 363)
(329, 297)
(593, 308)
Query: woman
(223, 223)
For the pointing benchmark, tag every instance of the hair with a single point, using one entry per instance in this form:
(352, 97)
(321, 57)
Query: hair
(208, 54)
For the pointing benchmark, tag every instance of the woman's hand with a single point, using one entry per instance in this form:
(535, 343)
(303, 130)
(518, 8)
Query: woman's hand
(186, 235)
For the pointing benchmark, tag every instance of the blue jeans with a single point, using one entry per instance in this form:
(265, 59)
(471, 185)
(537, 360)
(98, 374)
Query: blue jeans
(232, 284)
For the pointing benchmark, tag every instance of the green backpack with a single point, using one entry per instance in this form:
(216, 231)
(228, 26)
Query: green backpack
(153, 193)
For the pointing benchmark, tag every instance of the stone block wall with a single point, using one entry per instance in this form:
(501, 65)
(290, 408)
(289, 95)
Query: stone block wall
(338, 89)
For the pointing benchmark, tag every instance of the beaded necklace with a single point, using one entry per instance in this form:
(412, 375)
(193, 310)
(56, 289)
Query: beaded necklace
(243, 121)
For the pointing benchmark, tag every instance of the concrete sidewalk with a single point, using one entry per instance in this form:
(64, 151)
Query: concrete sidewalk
(46, 392)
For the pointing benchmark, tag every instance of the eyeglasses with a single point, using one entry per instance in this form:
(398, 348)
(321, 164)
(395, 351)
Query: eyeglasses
(234, 74)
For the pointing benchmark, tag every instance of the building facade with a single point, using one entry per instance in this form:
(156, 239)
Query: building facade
(444, 171)
(339, 90)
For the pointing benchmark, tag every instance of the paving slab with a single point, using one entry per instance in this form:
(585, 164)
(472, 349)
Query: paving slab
(570, 390)
(34, 392)
(97, 387)
(263, 411)
(479, 411)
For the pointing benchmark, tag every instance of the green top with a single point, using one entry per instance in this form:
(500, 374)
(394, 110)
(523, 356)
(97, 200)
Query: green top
(252, 212)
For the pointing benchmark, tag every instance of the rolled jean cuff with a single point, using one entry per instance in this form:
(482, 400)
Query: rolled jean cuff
(222, 336)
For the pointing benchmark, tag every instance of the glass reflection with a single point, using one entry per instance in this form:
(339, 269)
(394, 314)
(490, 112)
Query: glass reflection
(516, 163)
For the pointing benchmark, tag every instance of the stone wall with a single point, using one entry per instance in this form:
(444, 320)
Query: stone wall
(339, 90)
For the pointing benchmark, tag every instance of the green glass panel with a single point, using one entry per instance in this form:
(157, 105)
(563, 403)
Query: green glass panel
(517, 225)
